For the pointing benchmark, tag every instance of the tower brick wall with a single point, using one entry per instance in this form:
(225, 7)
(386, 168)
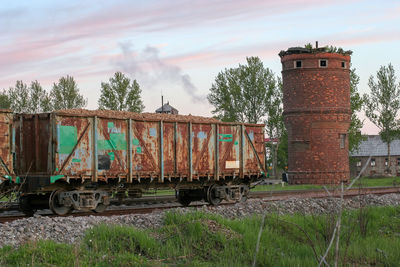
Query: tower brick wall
(316, 100)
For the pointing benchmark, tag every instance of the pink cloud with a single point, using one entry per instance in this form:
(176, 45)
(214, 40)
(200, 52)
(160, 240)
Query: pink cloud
(116, 20)
(43, 45)
(367, 38)
(221, 54)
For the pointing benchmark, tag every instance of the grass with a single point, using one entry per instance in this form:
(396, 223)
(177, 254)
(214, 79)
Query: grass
(198, 239)
(375, 182)
(363, 182)
(161, 192)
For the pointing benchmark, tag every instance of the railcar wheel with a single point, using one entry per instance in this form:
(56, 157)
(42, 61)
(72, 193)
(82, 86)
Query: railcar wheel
(100, 208)
(183, 199)
(55, 205)
(211, 195)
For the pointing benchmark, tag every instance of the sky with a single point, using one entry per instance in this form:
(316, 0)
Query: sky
(176, 48)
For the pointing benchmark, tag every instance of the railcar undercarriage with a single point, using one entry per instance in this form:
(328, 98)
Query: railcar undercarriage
(63, 198)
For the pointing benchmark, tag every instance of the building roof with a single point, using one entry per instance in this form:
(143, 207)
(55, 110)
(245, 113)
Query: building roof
(375, 147)
(166, 108)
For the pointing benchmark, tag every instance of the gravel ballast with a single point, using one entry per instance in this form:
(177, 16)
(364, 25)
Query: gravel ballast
(70, 230)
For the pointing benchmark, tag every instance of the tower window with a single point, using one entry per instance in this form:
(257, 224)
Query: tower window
(343, 64)
(342, 140)
(323, 63)
(298, 64)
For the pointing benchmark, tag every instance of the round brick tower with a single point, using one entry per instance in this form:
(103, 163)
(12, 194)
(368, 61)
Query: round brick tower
(316, 101)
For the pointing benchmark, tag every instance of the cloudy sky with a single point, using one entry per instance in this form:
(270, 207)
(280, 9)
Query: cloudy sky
(177, 47)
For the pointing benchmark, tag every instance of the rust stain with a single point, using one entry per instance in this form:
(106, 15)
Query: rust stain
(202, 136)
(6, 166)
(146, 152)
(182, 151)
(112, 145)
(168, 149)
(228, 151)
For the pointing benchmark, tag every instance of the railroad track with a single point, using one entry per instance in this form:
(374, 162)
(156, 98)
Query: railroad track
(149, 204)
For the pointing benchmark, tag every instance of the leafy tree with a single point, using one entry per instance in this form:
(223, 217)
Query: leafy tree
(275, 125)
(120, 94)
(19, 97)
(243, 93)
(65, 94)
(4, 100)
(356, 104)
(250, 93)
(24, 99)
(383, 103)
(39, 99)
(283, 151)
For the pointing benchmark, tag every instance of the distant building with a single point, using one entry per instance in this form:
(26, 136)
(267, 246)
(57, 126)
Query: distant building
(167, 109)
(378, 166)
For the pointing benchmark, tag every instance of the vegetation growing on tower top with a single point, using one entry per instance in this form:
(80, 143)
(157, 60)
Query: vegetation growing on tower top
(309, 49)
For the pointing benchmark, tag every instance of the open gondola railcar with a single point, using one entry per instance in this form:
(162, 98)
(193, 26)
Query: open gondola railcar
(77, 159)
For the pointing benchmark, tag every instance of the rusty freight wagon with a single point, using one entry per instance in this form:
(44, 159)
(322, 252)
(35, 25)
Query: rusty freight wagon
(78, 159)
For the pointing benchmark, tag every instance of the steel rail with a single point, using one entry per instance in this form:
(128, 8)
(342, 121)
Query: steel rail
(153, 203)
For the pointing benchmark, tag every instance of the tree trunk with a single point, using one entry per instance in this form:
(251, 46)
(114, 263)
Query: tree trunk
(389, 165)
(275, 160)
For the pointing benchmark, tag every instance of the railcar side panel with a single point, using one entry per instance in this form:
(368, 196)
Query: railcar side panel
(203, 149)
(31, 142)
(112, 147)
(229, 149)
(254, 150)
(169, 152)
(73, 153)
(182, 149)
(7, 141)
(146, 148)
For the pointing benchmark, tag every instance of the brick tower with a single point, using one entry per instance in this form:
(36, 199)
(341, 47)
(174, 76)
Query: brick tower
(316, 101)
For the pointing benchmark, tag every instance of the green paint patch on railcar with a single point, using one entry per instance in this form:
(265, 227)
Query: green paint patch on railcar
(54, 178)
(110, 124)
(135, 142)
(225, 137)
(67, 138)
(112, 156)
(139, 149)
(17, 179)
(76, 160)
(117, 141)
(8, 177)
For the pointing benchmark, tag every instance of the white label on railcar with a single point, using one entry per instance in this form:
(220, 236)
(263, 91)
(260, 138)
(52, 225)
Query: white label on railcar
(232, 164)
